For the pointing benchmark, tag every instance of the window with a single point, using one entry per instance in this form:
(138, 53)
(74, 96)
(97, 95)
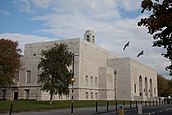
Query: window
(95, 81)
(28, 76)
(140, 86)
(146, 86)
(3, 94)
(86, 80)
(91, 81)
(17, 77)
(86, 95)
(154, 90)
(93, 39)
(92, 95)
(27, 93)
(96, 96)
(134, 88)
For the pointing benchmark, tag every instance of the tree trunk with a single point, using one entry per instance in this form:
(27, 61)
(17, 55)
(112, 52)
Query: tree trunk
(51, 97)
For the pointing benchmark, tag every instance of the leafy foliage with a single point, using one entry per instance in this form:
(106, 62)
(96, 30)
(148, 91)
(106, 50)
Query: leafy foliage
(54, 74)
(164, 86)
(159, 24)
(9, 61)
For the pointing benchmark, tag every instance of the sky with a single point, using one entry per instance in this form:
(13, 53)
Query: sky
(113, 21)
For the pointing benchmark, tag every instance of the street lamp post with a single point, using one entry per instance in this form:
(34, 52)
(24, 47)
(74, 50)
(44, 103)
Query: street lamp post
(73, 79)
(115, 72)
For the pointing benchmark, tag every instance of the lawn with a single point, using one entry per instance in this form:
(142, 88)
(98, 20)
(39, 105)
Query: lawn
(32, 105)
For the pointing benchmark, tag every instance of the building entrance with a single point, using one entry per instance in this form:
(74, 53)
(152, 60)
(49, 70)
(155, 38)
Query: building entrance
(15, 95)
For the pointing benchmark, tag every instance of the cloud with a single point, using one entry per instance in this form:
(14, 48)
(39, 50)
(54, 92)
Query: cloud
(70, 19)
(24, 38)
(4, 12)
(130, 5)
(30, 6)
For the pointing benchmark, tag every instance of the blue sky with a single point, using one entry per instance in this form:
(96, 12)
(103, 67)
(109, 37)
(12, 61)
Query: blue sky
(113, 21)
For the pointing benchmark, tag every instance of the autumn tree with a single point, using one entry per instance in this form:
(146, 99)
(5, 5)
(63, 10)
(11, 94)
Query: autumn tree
(9, 62)
(159, 24)
(54, 74)
(164, 86)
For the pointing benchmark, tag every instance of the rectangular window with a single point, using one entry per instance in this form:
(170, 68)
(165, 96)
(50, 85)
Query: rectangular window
(92, 95)
(95, 81)
(134, 88)
(91, 81)
(86, 95)
(17, 77)
(96, 96)
(28, 76)
(154, 90)
(86, 80)
(3, 94)
(27, 93)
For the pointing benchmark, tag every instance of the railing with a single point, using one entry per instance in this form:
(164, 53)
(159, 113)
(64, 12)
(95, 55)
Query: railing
(130, 104)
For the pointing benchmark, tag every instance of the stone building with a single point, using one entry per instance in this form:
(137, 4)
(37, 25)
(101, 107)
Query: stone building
(99, 74)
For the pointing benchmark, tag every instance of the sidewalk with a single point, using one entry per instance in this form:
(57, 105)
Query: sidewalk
(77, 111)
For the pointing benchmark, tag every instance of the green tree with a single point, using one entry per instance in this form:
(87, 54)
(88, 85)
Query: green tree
(9, 62)
(162, 86)
(170, 87)
(55, 76)
(159, 24)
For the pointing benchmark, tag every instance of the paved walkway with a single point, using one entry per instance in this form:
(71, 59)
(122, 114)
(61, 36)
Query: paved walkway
(77, 111)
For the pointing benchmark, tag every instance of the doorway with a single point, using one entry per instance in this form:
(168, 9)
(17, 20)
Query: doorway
(15, 95)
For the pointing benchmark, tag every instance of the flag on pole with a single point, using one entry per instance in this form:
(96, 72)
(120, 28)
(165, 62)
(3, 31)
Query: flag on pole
(126, 45)
(141, 53)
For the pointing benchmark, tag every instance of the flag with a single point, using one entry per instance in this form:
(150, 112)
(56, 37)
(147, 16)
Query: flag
(126, 45)
(141, 53)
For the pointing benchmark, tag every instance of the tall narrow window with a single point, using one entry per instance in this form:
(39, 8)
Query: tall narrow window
(86, 80)
(28, 76)
(27, 93)
(146, 86)
(86, 95)
(95, 81)
(91, 81)
(151, 88)
(96, 96)
(92, 95)
(135, 88)
(17, 77)
(140, 86)
(3, 94)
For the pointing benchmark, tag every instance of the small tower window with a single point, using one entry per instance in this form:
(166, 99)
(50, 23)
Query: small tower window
(87, 39)
(88, 36)
(93, 40)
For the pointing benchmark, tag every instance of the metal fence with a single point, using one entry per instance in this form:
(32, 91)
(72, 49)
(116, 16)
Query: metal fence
(130, 104)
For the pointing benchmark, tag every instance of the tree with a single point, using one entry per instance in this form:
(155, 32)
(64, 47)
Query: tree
(159, 24)
(9, 62)
(55, 76)
(164, 86)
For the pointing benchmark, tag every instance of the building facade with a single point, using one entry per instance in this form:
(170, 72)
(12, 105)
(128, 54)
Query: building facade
(99, 74)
